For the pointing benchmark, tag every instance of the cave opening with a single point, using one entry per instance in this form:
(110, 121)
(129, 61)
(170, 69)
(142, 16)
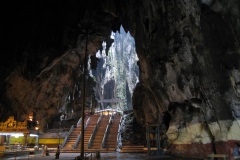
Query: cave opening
(188, 57)
(117, 72)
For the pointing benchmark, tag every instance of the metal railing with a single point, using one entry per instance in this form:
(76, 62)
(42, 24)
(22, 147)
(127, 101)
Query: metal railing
(14, 151)
(106, 132)
(94, 132)
(66, 137)
(119, 127)
(15, 148)
(77, 141)
(79, 136)
(87, 123)
(79, 122)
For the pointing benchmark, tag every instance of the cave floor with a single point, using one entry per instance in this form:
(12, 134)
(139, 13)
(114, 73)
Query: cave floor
(104, 156)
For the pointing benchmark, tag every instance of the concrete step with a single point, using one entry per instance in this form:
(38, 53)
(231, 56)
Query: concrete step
(132, 149)
(133, 146)
(111, 142)
(98, 141)
(110, 146)
(70, 141)
(98, 136)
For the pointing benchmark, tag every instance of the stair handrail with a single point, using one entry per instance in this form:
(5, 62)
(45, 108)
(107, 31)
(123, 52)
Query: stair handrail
(87, 122)
(119, 126)
(94, 132)
(79, 136)
(67, 135)
(74, 146)
(79, 122)
(106, 132)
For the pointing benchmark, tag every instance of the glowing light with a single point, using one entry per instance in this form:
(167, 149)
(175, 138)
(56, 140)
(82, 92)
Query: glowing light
(16, 134)
(33, 135)
(30, 118)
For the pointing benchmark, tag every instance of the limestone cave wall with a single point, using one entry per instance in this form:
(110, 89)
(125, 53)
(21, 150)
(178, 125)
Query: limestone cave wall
(189, 66)
(188, 59)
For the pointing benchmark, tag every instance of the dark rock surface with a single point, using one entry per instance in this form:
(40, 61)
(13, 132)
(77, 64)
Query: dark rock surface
(188, 59)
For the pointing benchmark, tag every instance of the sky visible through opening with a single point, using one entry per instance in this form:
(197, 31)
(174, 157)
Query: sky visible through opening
(117, 72)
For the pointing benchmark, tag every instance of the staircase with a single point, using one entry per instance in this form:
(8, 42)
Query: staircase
(97, 139)
(88, 131)
(73, 137)
(112, 136)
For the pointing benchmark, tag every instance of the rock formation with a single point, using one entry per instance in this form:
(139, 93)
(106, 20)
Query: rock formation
(188, 59)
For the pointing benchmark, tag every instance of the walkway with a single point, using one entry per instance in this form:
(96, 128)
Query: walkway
(71, 156)
(104, 156)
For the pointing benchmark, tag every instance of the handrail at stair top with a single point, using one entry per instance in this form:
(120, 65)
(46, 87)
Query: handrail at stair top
(79, 122)
(87, 122)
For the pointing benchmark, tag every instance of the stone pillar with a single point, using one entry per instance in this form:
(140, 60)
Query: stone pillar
(37, 139)
(1, 140)
(148, 139)
(8, 140)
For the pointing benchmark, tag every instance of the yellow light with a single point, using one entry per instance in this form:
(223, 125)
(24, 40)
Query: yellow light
(36, 128)
(30, 118)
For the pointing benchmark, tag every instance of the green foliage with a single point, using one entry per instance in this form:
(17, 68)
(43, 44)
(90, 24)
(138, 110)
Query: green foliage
(124, 59)
(120, 66)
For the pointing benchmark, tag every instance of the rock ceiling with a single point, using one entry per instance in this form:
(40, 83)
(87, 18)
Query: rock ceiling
(188, 59)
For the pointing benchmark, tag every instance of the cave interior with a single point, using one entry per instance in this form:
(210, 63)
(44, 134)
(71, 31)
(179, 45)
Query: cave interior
(184, 73)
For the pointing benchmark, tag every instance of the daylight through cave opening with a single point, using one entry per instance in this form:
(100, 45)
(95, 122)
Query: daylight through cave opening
(117, 72)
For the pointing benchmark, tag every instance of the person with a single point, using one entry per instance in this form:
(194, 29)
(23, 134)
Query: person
(57, 153)
(43, 150)
(236, 150)
(72, 114)
(46, 153)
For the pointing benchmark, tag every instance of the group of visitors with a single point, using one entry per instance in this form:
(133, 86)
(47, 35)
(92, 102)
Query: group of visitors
(45, 151)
